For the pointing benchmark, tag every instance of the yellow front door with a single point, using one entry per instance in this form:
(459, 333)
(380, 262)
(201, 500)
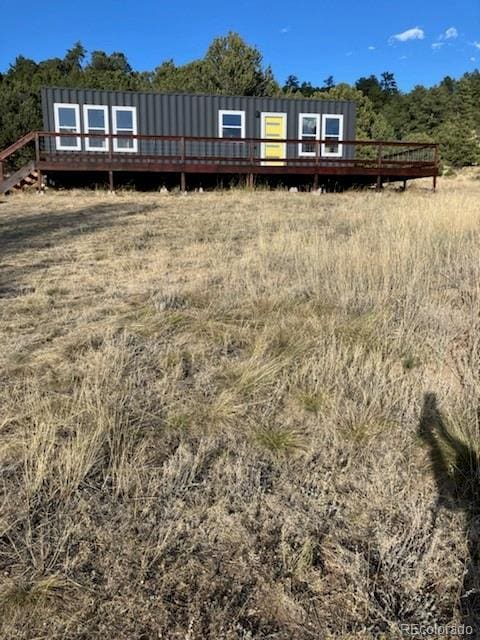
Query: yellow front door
(274, 126)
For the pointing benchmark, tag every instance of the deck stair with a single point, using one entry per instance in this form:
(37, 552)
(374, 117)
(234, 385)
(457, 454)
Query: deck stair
(27, 176)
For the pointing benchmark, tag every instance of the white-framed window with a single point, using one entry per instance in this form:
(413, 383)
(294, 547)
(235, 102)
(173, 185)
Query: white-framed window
(231, 124)
(332, 134)
(95, 120)
(308, 130)
(67, 120)
(124, 120)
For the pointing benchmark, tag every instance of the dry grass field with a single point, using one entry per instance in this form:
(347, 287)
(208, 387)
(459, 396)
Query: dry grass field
(239, 415)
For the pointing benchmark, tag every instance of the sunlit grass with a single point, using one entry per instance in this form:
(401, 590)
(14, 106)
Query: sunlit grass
(209, 409)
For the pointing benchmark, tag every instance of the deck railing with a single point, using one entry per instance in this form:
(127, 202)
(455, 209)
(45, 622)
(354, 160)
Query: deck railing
(244, 151)
(196, 153)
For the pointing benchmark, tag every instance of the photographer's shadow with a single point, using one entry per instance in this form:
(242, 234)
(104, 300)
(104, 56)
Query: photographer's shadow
(456, 468)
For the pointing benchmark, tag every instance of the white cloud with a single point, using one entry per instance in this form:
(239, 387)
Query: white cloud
(437, 45)
(472, 59)
(410, 34)
(284, 29)
(450, 33)
(403, 57)
(371, 48)
(476, 44)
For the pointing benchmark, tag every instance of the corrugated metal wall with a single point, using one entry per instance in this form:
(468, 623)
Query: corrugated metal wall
(197, 115)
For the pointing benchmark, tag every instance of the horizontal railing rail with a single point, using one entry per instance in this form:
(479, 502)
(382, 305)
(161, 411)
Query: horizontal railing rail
(374, 143)
(245, 150)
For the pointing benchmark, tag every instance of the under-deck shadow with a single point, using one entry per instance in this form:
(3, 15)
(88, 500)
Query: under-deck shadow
(456, 468)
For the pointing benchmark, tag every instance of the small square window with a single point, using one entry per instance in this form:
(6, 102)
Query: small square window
(67, 117)
(124, 119)
(95, 118)
(309, 126)
(332, 127)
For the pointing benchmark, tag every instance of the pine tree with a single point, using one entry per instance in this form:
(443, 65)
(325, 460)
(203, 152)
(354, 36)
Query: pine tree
(231, 66)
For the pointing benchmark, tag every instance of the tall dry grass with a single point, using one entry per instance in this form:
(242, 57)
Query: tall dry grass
(210, 411)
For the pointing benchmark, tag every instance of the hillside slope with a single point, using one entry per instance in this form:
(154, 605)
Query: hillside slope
(230, 415)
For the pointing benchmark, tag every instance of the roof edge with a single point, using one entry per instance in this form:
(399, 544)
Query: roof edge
(188, 93)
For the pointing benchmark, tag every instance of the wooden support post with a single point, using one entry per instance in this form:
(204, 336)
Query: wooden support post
(37, 147)
(404, 185)
(315, 182)
(1, 171)
(110, 180)
(379, 165)
(435, 170)
(251, 160)
(183, 182)
(39, 181)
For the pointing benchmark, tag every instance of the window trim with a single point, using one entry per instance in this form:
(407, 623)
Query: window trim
(339, 117)
(86, 128)
(317, 117)
(236, 112)
(117, 131)
(56, 119)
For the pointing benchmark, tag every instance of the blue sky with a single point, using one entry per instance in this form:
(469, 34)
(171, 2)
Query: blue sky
(419, 40)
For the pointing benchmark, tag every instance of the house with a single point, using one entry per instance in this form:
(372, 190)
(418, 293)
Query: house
(191, 115)
(125, 132)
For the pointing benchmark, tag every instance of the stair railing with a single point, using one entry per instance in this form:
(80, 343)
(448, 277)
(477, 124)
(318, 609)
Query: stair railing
(16, 146)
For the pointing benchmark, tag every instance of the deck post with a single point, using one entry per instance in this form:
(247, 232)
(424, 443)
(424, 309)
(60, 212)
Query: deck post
(183, 182)
(379, 166)
(37, 147)
(435, 170)
(251, 161)
(404, 185)
(1, 171)
(37, 160)
(110, 181)
(318, 150)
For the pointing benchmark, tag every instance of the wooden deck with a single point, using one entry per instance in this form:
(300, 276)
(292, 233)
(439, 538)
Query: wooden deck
(365, 161)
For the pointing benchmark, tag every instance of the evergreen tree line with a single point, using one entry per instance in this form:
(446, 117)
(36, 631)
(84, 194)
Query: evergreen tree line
(448, 112)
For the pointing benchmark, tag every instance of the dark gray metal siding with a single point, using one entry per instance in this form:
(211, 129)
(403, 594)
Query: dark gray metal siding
(197, 115)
